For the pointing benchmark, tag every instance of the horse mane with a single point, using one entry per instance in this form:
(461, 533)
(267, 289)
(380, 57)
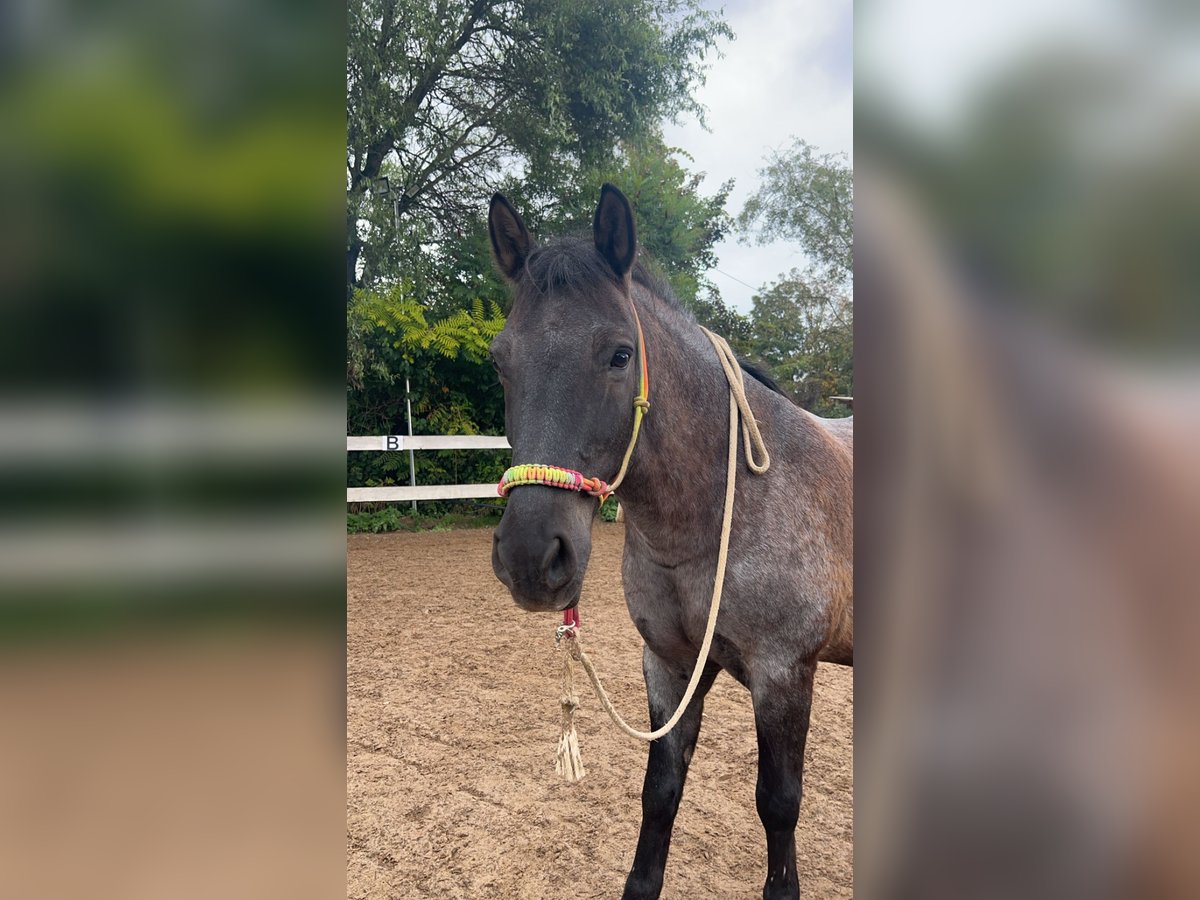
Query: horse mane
(759, 374)
(572, 263)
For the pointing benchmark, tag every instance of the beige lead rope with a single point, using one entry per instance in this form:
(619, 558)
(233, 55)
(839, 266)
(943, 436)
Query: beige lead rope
(568, 763)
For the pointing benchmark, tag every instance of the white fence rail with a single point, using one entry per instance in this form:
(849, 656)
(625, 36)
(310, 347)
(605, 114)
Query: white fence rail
(406, 493)
(429, 442)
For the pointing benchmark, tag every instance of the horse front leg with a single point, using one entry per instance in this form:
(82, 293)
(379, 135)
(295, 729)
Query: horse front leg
(666, 769)
(781, 710)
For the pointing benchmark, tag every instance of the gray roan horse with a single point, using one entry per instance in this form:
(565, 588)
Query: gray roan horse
(567, 359)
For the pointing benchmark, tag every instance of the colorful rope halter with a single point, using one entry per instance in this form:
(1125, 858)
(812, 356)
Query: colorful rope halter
(569, 479)
(551, 476)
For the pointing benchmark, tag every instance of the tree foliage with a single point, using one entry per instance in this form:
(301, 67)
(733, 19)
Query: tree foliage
(444, 99)
(394, 320)
(394, 339)
(807, 198)
(804, 331)
(802, 325)
(678, 225)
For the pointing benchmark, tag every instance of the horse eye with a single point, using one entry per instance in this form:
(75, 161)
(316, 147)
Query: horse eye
(621, 359)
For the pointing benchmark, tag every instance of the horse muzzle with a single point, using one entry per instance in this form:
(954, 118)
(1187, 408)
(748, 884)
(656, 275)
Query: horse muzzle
(540, 560)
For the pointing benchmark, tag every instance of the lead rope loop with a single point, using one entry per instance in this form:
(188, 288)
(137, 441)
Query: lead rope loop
(737, 394)
(569, 763)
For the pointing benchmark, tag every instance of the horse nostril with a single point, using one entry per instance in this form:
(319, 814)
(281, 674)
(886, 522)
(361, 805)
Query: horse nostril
(498, 565)
(558, 565)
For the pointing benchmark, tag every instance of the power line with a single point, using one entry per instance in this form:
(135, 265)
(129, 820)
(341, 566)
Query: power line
(735, 278)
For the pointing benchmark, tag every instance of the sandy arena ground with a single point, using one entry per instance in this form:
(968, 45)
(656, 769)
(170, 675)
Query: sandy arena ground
(453, 724)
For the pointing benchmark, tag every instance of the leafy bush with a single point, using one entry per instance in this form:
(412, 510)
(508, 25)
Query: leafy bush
(402, 518)
(608, 511)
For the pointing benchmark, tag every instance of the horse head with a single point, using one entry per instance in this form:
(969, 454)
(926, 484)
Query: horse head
(568, 359)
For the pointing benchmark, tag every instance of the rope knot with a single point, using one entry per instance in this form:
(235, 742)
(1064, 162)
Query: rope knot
(597, 487)
(571, 647)
(568, 762)
(641, 403)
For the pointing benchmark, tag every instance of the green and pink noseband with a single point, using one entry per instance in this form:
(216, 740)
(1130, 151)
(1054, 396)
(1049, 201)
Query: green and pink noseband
(551, 476)
(569, 479)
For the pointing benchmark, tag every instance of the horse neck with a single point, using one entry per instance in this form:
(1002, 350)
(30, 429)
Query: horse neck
(676, 479)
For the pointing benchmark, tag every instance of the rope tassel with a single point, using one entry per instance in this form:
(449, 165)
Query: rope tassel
(568, 763)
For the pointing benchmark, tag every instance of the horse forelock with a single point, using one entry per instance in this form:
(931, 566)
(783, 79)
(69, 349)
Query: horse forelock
(573, 264)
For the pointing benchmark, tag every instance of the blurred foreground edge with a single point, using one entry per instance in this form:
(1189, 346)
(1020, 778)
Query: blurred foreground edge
(1028, 513)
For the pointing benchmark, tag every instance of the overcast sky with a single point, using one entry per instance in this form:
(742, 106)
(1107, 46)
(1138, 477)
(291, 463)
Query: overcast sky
(789, 71)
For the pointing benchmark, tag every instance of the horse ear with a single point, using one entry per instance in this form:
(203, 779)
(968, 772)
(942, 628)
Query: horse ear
(510, 238)
(614, 231)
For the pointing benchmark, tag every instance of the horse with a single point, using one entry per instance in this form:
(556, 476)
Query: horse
(568, 359)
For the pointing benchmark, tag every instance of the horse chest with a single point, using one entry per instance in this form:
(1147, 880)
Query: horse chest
(655, 605)
(665, 638)
(668, 613)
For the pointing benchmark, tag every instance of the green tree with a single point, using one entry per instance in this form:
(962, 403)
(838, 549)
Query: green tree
(393, 322)
(393, 338)
(804, 331)
(444, 98)
(802, 325)
(807, 198)
(678, 226)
